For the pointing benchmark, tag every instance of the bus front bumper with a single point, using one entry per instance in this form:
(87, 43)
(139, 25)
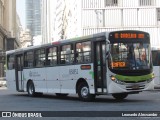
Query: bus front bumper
(130, 87)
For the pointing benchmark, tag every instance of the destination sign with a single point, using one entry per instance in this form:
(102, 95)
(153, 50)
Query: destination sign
(118, 64)
(129, 35)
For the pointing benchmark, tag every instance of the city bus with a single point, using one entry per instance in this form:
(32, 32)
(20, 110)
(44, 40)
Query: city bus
(156, 66)
(92, 65)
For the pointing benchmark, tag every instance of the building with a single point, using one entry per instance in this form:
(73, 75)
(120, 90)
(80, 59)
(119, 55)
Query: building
(25, 38)
(48, 18)
(33, 16)
(8, 30)
(111, 15)
(84, 17)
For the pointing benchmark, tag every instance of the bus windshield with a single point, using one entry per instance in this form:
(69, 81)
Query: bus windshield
(130, 56)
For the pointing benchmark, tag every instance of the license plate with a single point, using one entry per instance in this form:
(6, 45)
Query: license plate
(135, 87)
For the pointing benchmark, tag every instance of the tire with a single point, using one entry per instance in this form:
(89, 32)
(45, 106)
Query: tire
(120, 96)
(31, 89)
(84, 94)
(61, 94)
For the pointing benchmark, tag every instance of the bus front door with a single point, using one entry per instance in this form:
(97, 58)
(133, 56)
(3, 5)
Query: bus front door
(100, 67)
(19, 72)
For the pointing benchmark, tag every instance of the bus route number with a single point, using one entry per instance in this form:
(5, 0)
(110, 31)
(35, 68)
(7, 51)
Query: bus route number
(73, 71)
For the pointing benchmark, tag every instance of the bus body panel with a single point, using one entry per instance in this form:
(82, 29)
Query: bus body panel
(61, 79)
(156, 70)
(10, 77)
(53, 83)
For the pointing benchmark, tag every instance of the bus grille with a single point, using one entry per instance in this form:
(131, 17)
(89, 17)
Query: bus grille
(135, 87)
(135, 81)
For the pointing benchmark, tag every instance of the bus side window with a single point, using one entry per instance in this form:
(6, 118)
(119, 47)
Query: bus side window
(51, 56)
(10, 62)
(67, 54)
(28, 59)
(155, 58)
(40, 57)
(158, 58)
(83, 52)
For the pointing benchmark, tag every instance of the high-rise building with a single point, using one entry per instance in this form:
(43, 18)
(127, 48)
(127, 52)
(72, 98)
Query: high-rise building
(33, 16)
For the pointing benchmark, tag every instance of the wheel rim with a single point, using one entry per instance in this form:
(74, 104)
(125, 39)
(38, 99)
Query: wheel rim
(31, 89)
(84, 92)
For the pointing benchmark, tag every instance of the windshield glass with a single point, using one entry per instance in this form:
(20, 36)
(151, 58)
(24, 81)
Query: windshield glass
(130, 56)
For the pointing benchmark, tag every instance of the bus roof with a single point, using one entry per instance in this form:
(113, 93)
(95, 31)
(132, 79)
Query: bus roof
(106, 34)
(58, 42)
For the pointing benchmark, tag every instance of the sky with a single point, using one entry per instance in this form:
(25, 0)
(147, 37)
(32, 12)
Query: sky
(21, 11)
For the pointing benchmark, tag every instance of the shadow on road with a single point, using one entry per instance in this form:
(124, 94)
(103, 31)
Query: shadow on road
(98, 99)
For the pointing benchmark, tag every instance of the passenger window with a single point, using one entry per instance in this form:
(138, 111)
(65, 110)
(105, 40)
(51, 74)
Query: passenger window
(67, 54)
(83, 52)
(11, 62)
(28, 59)
(40, 58)
(51, 59)
(156, 58)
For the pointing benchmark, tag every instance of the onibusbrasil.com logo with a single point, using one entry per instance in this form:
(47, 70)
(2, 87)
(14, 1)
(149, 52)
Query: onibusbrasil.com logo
(21, 114)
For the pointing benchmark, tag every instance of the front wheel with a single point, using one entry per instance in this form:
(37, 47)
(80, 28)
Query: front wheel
(120, 96)
(31, 89)
(84, 94)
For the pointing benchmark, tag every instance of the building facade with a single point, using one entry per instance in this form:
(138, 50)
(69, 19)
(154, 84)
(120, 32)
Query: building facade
(48, 18)
(25, 38)
(84, 17)
(33, 16)
(8, 30)
(108, 15)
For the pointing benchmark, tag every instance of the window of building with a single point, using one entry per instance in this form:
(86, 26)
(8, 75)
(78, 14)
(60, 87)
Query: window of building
(11, 62)
(158, 14)
(28, 59)
(40, 57)
(51, 56)
(83, 52)
(146, 2)
(67, 54)
(111, 2)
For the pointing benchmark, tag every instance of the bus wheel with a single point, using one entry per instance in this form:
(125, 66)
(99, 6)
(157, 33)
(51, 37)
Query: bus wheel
(31, 89)
(84, 94)
(61, 94)
(120, 96)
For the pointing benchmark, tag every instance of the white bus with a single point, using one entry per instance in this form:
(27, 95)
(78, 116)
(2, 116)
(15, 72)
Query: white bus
(156, 66)
(97, 64)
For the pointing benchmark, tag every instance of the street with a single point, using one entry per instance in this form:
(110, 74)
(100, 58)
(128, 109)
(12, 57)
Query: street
(14, 101)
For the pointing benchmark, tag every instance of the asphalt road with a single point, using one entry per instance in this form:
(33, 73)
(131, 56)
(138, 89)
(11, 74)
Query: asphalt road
(145, 101)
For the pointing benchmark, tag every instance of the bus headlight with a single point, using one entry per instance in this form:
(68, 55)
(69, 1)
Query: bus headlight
(113, 78)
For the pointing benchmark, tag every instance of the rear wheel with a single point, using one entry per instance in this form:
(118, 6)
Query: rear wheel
(120, 96)
(31, 89)
(84, 94)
